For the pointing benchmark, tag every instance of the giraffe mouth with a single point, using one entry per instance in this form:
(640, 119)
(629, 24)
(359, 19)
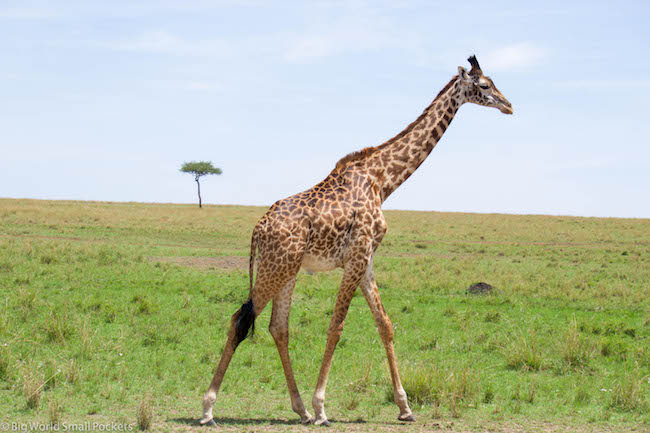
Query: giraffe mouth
(505, 107)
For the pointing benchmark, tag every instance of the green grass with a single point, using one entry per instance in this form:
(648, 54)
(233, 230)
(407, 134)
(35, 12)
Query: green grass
(93, 328)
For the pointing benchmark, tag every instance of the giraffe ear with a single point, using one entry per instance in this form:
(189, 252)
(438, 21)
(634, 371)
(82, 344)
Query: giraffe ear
(462, 73)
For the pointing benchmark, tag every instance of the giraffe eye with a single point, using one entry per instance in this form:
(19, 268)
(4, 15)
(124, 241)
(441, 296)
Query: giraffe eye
(484, 86)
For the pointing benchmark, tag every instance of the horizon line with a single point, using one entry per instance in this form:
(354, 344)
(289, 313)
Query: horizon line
(269, 205)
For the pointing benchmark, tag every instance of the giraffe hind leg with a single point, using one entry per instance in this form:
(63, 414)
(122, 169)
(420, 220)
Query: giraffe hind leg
(277, 264)
(240, 323)
(268, 283)
(279, 329)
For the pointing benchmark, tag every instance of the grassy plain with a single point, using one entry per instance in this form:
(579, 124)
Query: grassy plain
(113, 311)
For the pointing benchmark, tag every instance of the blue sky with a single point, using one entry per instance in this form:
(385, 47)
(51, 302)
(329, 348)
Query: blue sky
(105, 100)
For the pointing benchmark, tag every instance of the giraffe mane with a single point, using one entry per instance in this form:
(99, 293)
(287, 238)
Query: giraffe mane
(367, 151)
(355, 156)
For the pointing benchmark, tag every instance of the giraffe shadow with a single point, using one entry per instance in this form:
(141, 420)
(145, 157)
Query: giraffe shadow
(254, 421)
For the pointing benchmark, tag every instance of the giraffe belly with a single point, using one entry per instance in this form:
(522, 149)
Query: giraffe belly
(318, 264)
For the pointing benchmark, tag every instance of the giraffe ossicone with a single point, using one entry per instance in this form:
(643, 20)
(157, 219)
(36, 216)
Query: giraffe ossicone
(339, 224)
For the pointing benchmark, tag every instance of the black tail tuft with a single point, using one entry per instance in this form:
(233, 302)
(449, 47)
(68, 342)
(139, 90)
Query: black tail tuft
(245, 321)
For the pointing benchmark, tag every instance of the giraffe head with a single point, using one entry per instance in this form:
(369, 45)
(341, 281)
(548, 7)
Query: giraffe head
(480, 89)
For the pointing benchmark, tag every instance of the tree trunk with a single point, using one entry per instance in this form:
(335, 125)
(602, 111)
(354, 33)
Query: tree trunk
(199, 189)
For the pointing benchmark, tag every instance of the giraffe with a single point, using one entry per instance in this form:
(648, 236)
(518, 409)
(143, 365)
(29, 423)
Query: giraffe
(338, 223)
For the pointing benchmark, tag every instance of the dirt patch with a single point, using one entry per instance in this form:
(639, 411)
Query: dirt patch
(96, 241)
(220, 263)
(361, 426)
(423, 242)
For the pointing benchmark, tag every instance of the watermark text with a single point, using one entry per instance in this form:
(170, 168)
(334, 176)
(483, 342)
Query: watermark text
(7, 426)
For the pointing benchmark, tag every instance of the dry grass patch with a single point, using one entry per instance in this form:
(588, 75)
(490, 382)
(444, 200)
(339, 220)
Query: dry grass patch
(54, 410)
(221, 263)
(629, 394)
(4, 363)
(576, 350)
(523, 352)
(452, 387)
(144, 414)
(33, 383)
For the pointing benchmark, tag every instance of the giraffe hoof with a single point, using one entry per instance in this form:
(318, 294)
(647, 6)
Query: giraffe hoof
(323, 422)
(408, 417)
(210, 422)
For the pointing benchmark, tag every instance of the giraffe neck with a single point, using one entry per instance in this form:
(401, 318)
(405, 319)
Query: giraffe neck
(397, 159)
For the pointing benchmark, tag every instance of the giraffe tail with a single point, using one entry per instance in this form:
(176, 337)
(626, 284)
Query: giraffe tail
(251, 262)
(245, 322)
(246, 318)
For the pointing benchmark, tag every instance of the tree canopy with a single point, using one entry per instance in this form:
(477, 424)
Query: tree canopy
(199, 168)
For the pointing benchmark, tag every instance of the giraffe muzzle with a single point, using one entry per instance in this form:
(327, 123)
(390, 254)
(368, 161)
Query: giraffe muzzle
(506, 107)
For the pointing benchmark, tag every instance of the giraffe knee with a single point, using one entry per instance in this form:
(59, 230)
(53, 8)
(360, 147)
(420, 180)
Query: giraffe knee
(386, 331)
(279, 333)
(335, 331)
(386, 334)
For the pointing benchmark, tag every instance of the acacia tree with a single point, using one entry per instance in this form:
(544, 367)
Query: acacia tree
(198, 169)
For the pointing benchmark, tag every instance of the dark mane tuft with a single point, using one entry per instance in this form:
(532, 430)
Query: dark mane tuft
(354, 156)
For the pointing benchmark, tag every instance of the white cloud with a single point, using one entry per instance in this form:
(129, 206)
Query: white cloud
(517, 56)
(311, 47)
(331, 44)
(27, 13)
(605, 84)
(579, 164)
(203, 86)
(44, 9)
(167, 43)
(187, 85)
(352, 33)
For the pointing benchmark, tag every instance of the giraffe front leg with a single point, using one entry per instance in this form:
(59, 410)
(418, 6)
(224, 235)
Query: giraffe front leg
(333, 335)
(353, 272)
(385, 328)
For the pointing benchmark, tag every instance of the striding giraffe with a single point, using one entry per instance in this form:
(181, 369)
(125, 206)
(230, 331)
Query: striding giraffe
(339, 224)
